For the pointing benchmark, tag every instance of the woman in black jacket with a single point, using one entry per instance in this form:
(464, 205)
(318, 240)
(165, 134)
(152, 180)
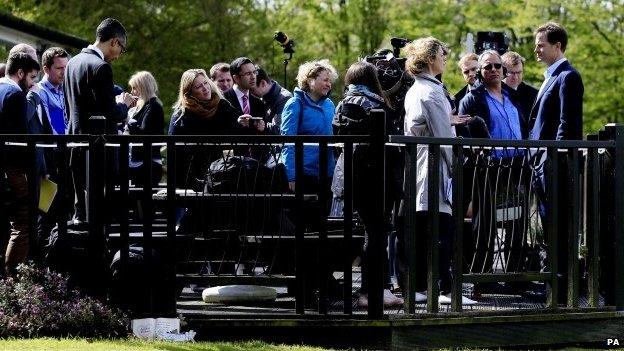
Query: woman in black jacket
(353, 117)
(202, 110)
(145, 118)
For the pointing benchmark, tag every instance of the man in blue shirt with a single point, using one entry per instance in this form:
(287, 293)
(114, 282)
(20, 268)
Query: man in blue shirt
(54, 61)
(499, 184)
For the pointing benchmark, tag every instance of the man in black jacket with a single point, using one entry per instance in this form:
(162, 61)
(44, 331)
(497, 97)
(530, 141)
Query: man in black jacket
(244, 73)
(468, 65)
(514, 63)
(89, 92)
(501, 189)
(22, 70)
(274, 97)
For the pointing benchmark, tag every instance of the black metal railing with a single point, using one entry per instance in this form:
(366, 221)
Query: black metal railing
(566, 179)
(590, 167)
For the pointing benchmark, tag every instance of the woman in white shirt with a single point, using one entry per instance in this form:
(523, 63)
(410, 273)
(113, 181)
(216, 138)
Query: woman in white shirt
(428, 113)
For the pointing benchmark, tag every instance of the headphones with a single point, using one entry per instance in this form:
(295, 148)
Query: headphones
(491, 52)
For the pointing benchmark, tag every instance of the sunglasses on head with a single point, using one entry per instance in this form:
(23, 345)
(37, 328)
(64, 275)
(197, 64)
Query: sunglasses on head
(489, 66)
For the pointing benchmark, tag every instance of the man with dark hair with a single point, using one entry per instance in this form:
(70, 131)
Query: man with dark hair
(514, 63)
(244, 74)
(88, 89)
(557, 114)
(274, 97)
(220, 74)
(21, 72)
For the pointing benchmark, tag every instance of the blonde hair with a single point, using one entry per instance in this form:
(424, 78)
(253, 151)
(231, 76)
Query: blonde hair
(145, 83)
(313, 69)
(420, 52)
(468, 57)
(512, 58)
(186, 85)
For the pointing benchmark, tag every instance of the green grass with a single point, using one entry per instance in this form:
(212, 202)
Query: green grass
(137, 345)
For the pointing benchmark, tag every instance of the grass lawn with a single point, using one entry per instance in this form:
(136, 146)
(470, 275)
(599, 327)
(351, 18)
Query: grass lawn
(137, 345)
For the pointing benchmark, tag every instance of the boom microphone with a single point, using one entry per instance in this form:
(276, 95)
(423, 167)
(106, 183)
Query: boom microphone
(283, 39)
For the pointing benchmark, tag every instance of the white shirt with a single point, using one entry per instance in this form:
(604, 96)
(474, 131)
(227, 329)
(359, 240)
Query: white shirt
(239, 96)
(548, 74)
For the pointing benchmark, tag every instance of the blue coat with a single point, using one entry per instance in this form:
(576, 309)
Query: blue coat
(315, 120)
(558, 110)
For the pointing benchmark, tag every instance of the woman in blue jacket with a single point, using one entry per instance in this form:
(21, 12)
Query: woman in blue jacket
(309, 112)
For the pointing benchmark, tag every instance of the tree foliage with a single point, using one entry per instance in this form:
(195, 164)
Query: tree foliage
(167, 37)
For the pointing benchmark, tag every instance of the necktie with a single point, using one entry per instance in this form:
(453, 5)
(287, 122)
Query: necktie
(245, 104)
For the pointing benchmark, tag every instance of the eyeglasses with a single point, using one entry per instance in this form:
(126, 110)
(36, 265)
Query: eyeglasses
(489, 66)
(250, 73)
(512, 73)
(123, 47)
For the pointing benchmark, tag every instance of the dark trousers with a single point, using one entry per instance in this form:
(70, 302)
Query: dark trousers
(564, 213)
(423, 238)
(500, 190)
(19, 215)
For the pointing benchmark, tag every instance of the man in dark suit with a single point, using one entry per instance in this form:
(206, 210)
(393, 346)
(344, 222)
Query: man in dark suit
(89, 92)
(558, 115)
(244, 73)
(514, 63)
(468, 65)
(246, 105)
(22, 71)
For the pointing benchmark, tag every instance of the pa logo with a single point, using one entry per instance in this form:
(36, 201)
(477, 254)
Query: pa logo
(613, 342)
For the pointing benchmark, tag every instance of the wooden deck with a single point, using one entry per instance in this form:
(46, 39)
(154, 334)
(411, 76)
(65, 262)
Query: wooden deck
(497, 320)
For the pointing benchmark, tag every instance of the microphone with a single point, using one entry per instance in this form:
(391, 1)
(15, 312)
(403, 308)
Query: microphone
(283, 39)
(399, 42)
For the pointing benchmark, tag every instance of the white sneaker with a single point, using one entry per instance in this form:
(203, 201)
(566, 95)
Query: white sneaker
(420, 297)
(390, 300)
(446, 300)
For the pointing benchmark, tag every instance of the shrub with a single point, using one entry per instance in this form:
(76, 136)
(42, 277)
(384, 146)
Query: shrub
(39, 302)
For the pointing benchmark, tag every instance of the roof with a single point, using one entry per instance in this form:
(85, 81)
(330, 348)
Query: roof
(15, 30)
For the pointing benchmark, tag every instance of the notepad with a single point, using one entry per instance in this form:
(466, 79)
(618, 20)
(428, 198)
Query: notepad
(154, 328)
(47, 192)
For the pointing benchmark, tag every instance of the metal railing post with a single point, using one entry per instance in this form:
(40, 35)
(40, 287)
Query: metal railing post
(376, 235)
(619, 217)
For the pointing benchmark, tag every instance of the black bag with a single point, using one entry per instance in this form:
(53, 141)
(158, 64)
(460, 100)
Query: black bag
(75, 255)
(140, 289)
(244, 175)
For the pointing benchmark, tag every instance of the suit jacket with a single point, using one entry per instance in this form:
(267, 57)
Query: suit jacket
(13, 120)
(256, 106)
(39, 123)
(526, 96)
(463, 91)
(475, 104)
(558, 110)
(89, 92)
